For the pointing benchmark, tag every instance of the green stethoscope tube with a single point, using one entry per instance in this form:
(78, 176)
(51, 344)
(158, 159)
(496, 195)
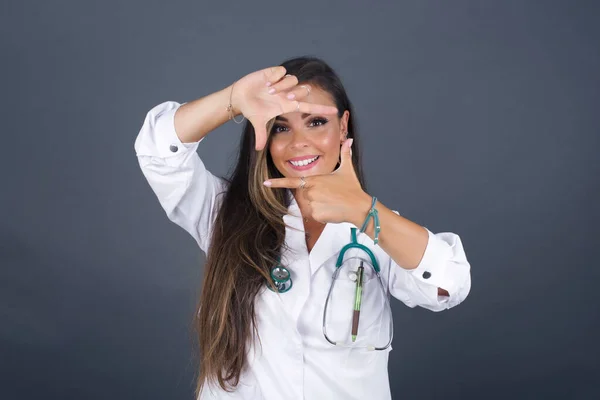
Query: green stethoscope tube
(282, 280)
(355, 245)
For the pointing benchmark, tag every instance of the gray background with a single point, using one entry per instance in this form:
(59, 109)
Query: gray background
(480, 118)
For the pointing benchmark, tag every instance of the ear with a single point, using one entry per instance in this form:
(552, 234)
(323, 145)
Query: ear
(344, 125)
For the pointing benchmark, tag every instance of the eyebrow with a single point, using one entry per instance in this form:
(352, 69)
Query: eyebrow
(284, 119)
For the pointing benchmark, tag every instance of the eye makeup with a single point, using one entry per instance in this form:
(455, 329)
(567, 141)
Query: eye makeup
(316, 120)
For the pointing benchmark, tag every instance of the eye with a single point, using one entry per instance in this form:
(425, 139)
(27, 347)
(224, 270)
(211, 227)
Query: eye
(315, 122)
(318, 121)
(278, 128)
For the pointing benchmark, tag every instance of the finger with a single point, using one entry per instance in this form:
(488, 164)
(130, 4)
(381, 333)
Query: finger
(289, 183)
(346, 153)
(288, 81)
(299, 92)
(260, 133)
(346, 156)
(274, 74)
(309, 108)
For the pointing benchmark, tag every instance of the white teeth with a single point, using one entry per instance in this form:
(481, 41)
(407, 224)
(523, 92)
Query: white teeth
(303, 162)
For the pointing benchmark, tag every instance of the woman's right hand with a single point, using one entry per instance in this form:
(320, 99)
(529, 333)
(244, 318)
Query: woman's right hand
(251, 97)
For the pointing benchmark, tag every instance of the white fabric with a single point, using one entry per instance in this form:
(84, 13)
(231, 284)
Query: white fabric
(295, 361)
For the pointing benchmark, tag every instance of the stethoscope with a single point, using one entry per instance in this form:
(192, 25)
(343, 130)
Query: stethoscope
(282, 280)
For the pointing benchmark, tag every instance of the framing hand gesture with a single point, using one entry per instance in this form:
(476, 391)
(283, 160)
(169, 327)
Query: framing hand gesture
(335, 197)
(265, 94)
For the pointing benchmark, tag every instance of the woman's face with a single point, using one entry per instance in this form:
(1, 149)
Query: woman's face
(308, 144)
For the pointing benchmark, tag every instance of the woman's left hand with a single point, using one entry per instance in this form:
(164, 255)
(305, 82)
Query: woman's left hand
(336, 197)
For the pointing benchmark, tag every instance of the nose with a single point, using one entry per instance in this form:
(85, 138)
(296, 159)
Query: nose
(299, 139)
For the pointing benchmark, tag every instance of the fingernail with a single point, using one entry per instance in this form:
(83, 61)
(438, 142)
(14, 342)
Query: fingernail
(291, 96)
(268, 84)
(272, 90)
(267, 183)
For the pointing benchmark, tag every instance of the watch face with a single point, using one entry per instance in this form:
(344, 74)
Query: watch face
(280, 274)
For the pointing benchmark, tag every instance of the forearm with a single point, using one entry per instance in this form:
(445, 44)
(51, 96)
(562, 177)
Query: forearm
(196, 119)
(403, 240)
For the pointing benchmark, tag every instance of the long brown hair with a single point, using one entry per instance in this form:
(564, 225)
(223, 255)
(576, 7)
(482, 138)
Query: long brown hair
(247, 240)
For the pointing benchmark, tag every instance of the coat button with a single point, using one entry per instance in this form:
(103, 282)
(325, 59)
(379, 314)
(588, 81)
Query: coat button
(173, 148)
(426, 275)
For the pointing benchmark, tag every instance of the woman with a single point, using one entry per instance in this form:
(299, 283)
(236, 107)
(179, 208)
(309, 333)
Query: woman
(294, 200)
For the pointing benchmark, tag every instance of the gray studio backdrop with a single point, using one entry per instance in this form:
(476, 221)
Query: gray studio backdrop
(480, 118)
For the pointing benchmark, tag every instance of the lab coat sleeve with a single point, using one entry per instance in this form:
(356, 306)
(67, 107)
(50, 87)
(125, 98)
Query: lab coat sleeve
(444, 264)
(186, 190)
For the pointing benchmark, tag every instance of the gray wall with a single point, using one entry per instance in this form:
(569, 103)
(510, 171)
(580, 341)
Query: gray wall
(480, 118)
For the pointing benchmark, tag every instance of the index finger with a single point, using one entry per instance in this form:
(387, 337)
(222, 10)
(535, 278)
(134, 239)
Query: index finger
(288, 183)
(274, 74)
(311, 108)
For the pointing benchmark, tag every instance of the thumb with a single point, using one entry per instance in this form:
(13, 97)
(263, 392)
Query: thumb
(260, 134)
(346, 155)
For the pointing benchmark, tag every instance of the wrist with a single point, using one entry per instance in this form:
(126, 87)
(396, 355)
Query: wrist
(233, 99)
(361, 209)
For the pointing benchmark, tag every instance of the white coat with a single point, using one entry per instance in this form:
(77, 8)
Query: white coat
(294, 361)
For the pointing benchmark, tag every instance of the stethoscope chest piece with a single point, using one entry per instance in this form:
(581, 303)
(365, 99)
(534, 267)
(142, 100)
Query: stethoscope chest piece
(281, 278)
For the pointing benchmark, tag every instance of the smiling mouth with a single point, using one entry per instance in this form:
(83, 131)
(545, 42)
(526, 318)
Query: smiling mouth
(304, 163)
